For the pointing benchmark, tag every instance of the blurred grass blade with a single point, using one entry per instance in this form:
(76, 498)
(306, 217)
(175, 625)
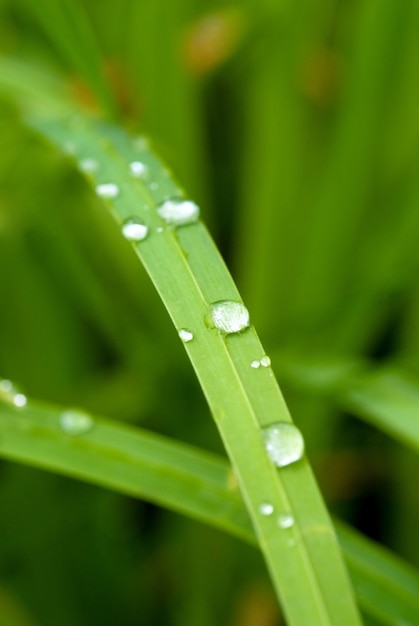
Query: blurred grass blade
(190, 276)
(66, 24)
(389, 400)
(192, 482)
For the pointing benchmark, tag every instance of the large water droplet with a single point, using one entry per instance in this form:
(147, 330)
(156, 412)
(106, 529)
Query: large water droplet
(107, 190)
(185, 335)
(255, 364)
(285, 520)
(75, 422)
(134, 229)
(138, 169)
(284, 443)
(266, 508)
(229, 316)
(178, 212)
(88, 165)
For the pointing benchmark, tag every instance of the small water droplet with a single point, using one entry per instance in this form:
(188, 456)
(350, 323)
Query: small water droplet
(88, 165)
(75, 422)
(154, 186)
(284, 443)
(230, 316)
(266, 508)
(178, 212)
(255, 364)
(265, 361)
(159, 229)
(6, 385)
(107, 190)
(138, 169)
(134, 229)
(19, 400)
(140, 143)
(285, 520)
(69, 147)
(185, 335)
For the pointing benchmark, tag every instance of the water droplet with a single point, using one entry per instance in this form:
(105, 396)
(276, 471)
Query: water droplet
(107, 190)
(140, 143)
(6, 385)
(138, 169)
(159, 229)
(75, 422)
(265, 361)
(19, 400)
(69, 147)
(178, 212)
(266, 508)
(285, 520)
(229, 316)
(255, 364)
(185, 335)
(154, 186)
(88, 165)
(134, 229)
(284, 443)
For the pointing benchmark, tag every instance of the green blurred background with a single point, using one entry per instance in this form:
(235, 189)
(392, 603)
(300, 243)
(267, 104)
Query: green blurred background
(295, 125)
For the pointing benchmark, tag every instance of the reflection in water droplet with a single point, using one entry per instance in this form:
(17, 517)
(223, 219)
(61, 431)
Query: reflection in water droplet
(284, 443)
(185, 335)
(75, 422)
(266, 508)
(229, 316)
(285, 520)
(138, 169)
(134, 229)
(178, 212)
(255, 364)
(107, 190)
(88, 165)
(19, 400)
(265, 361)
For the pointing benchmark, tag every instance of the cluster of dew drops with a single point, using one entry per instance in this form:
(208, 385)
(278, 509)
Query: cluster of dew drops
(283, 442)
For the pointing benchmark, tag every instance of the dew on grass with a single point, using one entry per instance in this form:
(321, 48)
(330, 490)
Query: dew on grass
(284, 443)
(229, 316)
(107, 190)
(74, 422)
(88, 165)
(285, 520)
(265, 361)
(178, 212)
(266, 508)
(138, 169)
(11, 394)
(255, 364)
(19, 400)
(185, 335)
(134, 229)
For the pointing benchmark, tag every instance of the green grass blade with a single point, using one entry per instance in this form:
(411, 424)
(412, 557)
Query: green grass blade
(305, 560)
(192, 482)
(65, 22)
(189, 275)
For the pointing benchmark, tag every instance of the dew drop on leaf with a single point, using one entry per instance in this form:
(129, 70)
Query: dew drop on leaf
(284, 443)
(138, 169)
(285, 520)
(107, 190)
(134, 229)
(185, 335)
(266, 508)
(178, 212)
(229, 316)
(74, 422)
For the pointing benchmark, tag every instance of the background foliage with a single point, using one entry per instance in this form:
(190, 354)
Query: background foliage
(296, 128)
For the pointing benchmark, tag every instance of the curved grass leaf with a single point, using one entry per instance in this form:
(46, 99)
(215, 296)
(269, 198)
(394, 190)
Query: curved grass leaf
(192, 482)
(305, 562)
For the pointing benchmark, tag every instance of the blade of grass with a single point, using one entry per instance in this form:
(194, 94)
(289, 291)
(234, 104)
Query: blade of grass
(65, 22)
(192, 482)
(190, 275)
